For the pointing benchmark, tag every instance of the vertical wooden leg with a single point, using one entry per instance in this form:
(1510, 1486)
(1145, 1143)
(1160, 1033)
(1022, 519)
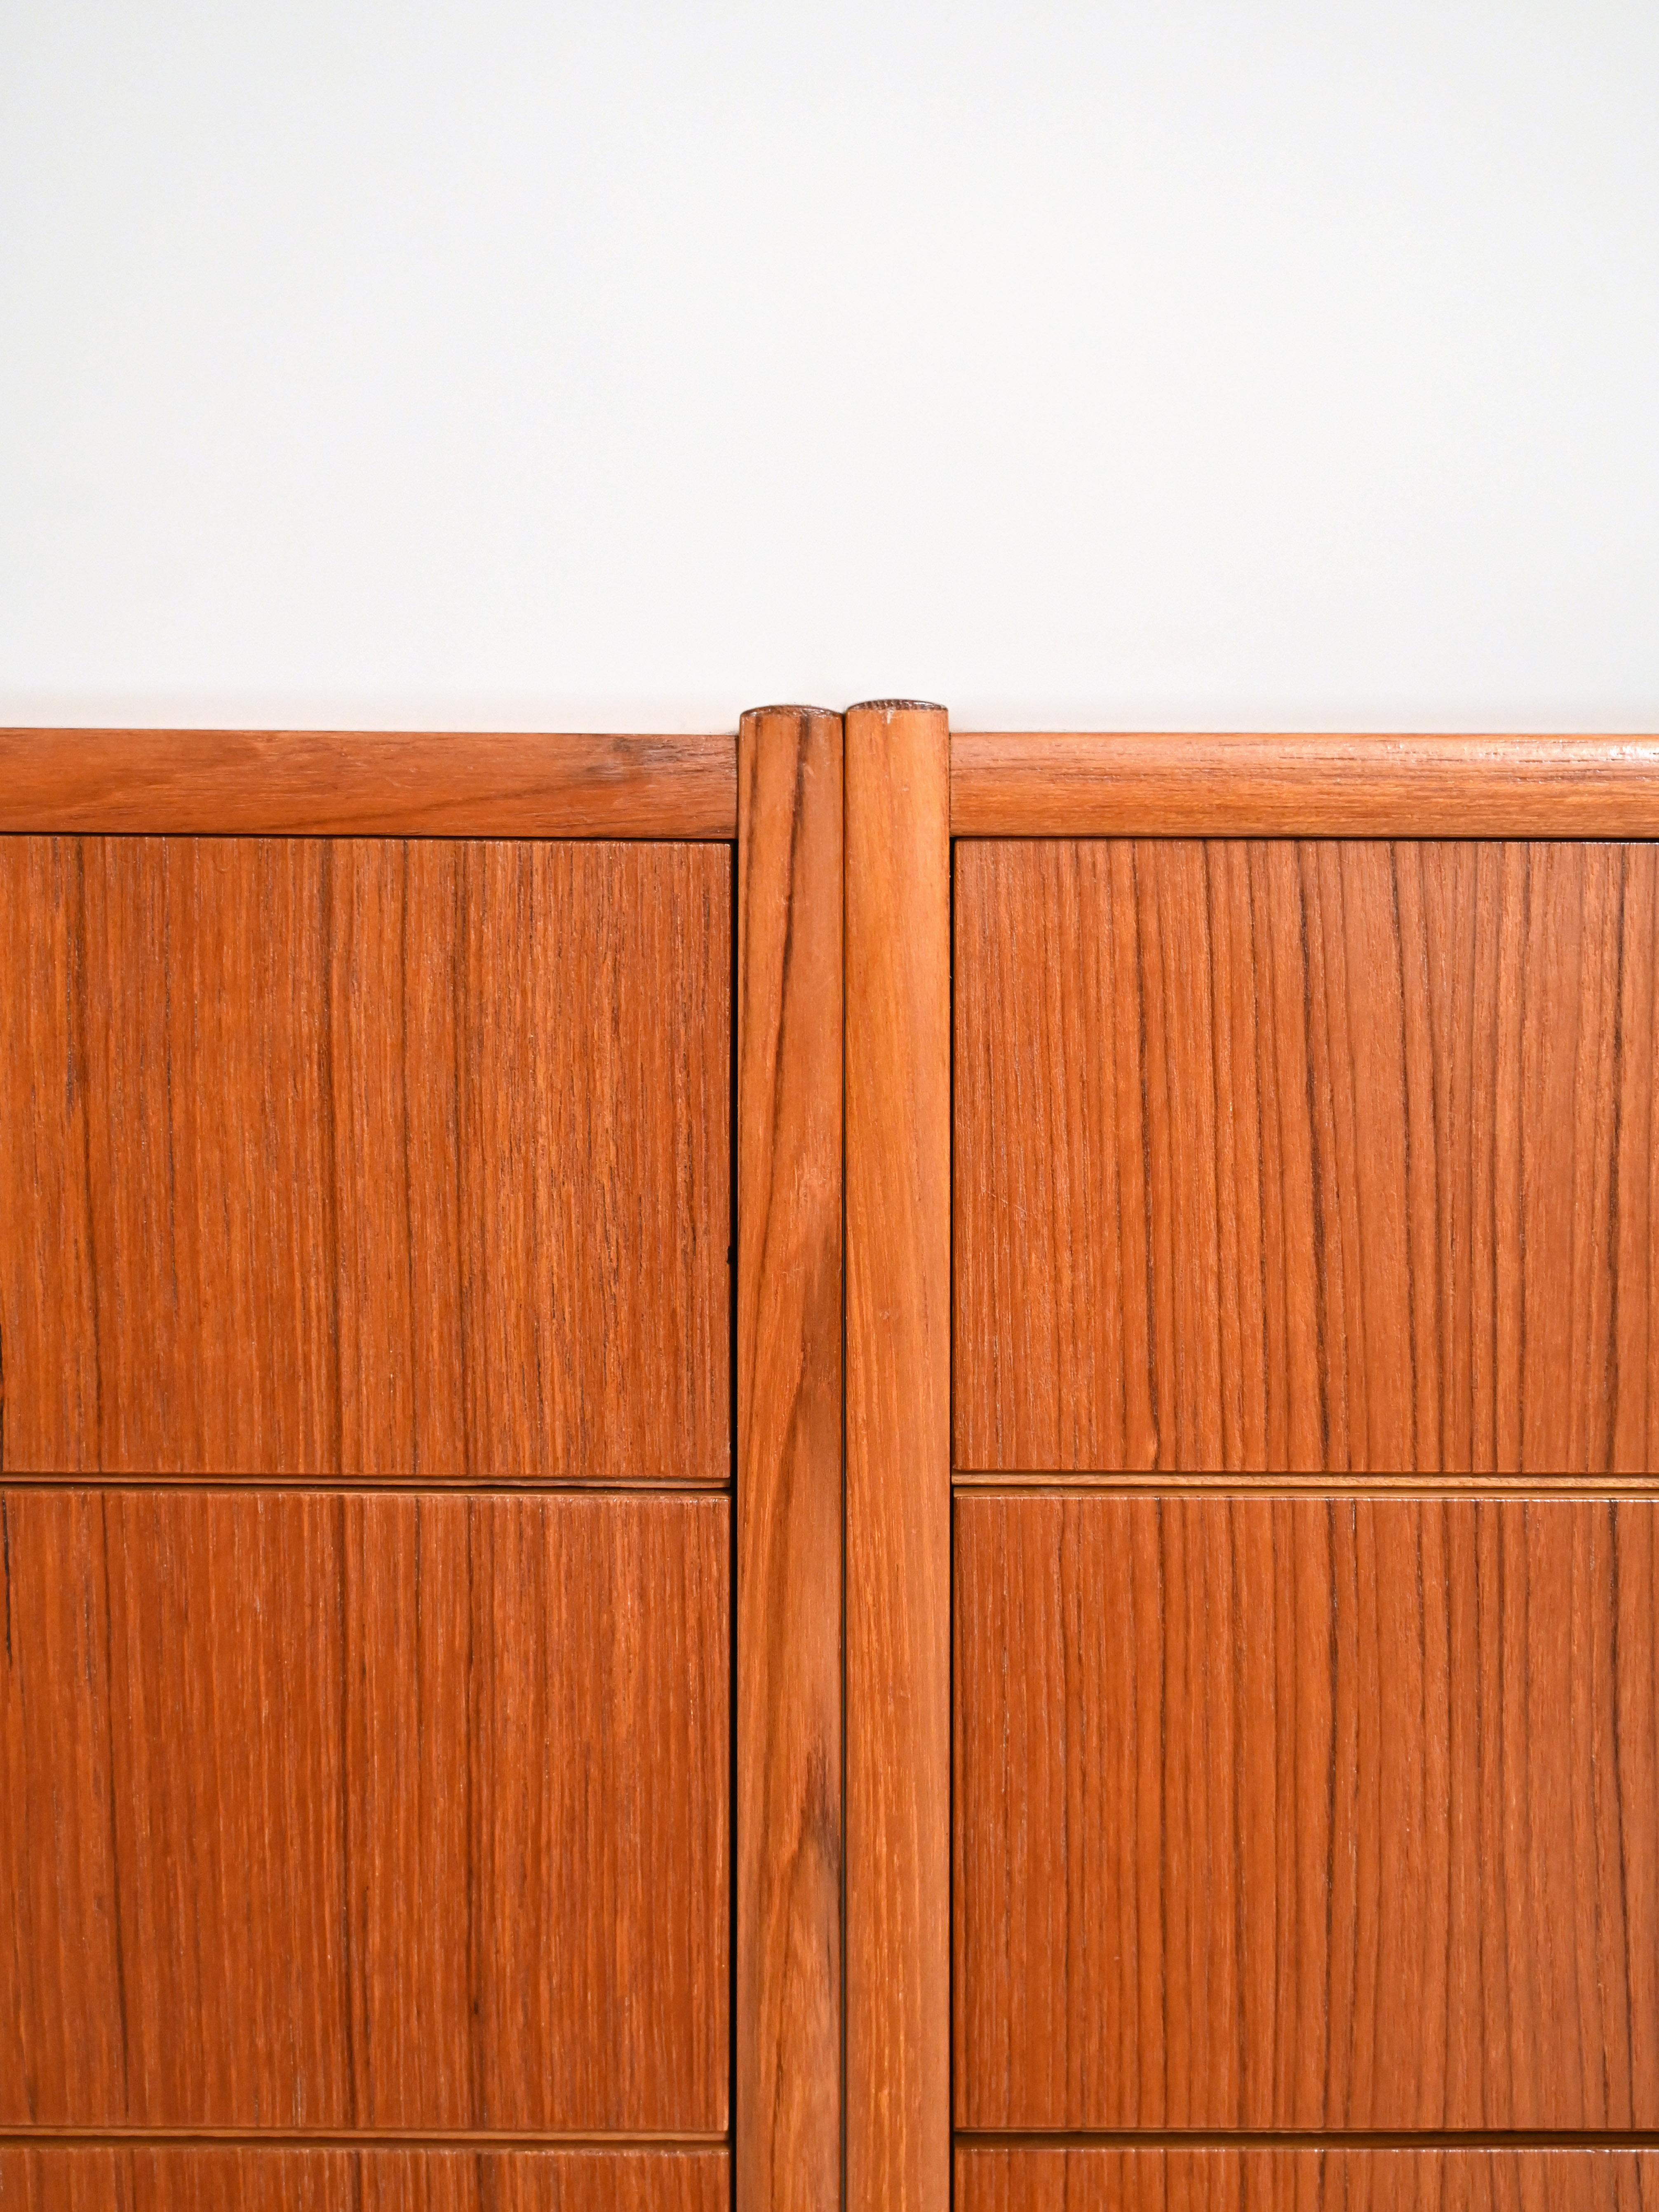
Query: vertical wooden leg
(787, 2104)
(898, 1458)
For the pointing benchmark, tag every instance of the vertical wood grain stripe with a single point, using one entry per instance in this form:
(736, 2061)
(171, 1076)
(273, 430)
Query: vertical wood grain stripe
(898, 1503)
(787, 2107)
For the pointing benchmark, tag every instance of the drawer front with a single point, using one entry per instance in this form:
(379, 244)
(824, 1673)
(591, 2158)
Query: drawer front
(379, 2179)
(1306, 1814)
(364, 1811)
(1310, 1157)
(1097, 2179)
(365, 1157)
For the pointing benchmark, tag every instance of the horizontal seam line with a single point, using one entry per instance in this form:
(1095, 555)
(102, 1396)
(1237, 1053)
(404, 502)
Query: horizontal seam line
(385, 831)
(374, 1487)
(1022, 833)
(366, 2138)
(1564, 1486)
(1304, 2139)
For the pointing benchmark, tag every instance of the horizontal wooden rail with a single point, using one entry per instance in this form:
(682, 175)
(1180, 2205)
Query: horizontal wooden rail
(367, 783)
(1003, 784)
(1135, 784)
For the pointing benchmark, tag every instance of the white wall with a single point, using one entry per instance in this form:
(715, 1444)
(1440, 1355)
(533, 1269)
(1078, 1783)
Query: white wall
(1244, 363)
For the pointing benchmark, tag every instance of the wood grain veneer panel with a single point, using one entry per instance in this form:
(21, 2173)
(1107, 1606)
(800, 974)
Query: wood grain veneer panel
(788, 2102)
(898, 1459)
(449, 783)
(372, 1810)
(1087, 2179)
(369, 1158)
(1339, 1815)
(1327, 1156)
(1241, 784)
(383, 2180)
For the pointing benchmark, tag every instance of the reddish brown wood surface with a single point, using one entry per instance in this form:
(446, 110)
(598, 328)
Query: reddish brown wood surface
(368, 1811)
(360, 1158)
(212, 2179)
(367, 782)
(1134, 784)
(1097, 2179)
(1325, 1156)
(1294, 1815)
(898, 1473)
(787, 2091)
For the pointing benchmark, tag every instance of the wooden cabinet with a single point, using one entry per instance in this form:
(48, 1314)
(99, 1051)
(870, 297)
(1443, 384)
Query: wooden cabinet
(844, 1468)
(1303, 1634)
(366, 1685)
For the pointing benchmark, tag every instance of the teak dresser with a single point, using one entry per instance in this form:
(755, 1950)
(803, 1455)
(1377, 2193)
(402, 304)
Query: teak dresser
(845, 1467)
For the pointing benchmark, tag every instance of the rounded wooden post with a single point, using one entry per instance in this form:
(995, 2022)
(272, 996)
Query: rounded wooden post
(788, 2093)
(898, 1458)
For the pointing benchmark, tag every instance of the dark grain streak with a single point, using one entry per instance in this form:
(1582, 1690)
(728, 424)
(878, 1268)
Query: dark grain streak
(114, 1852)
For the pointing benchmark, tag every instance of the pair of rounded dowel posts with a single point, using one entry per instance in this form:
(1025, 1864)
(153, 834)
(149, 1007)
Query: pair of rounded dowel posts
(843, 1460)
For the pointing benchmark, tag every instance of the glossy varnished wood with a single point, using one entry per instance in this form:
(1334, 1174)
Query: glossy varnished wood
(367, 783)
(898, 1287)
(1098, 2179)
(1132, 784)
(364, 1157)
(789, 2105)
(1336, 1157)
(368, 1811)
(381, 2179)
(1296, 1815)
